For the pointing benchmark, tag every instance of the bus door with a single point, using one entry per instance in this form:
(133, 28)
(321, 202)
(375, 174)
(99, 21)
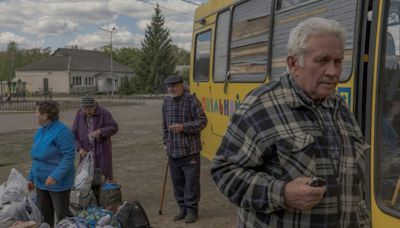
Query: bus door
(385, 115)
(200, 83)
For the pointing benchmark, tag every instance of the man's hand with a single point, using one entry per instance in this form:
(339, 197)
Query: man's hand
(30, 186)
(176, 128)
(50, 181)
(300, 196)
(82, 152)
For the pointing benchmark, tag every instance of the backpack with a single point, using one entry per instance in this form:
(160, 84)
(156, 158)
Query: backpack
(132, 215)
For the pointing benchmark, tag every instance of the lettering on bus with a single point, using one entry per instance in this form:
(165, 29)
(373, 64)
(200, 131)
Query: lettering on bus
(223, 107)
(345, 93)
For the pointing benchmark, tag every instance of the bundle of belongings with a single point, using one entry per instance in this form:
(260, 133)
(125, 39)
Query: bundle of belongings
(91, 217)
(17, 204)
(95, 203)
(128, 215)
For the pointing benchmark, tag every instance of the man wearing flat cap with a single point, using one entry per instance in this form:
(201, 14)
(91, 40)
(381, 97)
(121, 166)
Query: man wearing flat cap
(183, 120)
(93, 128)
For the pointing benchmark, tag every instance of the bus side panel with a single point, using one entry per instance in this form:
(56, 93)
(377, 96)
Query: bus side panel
(343, 11)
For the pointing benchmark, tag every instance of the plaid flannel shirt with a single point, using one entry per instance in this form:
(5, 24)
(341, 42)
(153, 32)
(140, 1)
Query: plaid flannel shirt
(187, 110)
(279, 134)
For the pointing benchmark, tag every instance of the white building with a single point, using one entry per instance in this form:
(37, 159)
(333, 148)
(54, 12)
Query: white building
(73, 71)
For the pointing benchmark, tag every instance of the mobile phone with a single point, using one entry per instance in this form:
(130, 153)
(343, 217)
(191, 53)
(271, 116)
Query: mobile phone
(317, 182)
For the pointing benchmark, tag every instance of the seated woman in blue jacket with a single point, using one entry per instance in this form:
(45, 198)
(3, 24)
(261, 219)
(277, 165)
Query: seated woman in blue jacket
(52, 171)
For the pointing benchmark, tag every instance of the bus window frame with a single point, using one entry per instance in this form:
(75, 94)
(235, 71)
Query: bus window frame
(381, 55)
(194, 56)
(269, 44)
(293, 6)
(227, 46)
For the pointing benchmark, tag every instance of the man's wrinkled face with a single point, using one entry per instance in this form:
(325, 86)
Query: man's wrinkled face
(319, 72)
(175, 90)
(89, 111)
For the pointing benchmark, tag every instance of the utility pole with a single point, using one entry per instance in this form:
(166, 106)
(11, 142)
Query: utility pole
(111, 59)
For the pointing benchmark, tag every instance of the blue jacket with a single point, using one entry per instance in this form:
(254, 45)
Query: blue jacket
(53, 154)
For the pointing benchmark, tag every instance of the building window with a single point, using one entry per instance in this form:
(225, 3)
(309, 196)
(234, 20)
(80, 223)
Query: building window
(91, 81)
(76, 80)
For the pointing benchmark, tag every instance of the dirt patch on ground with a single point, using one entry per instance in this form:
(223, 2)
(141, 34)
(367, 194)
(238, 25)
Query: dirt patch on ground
(139, 164)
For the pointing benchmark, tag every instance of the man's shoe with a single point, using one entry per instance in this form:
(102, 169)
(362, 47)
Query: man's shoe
(180, 216)
(191, 218)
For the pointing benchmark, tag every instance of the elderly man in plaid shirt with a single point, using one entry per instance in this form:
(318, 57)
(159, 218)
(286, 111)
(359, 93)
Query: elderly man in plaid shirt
(183, 120)
(291, 130)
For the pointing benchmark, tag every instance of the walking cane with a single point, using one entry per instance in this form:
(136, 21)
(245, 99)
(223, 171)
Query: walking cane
(163, 190)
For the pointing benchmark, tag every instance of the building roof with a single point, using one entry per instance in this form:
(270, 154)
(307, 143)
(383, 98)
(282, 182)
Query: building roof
(78, 60)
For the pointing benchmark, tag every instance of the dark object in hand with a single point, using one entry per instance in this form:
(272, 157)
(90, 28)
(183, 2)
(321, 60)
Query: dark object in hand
(317, 182)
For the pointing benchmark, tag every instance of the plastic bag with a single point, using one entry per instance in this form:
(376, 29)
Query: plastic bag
(2, 187)
(15, 189)
(20, 211)
(33, 211)
(85, 172)
(71, 222)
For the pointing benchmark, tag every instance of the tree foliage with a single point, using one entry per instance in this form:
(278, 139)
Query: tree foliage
(13, 58)
(156, 57)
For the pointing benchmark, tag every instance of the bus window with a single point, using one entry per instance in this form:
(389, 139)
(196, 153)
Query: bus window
(221, 46)
(388, 152)
(249, 41)
(283, 4)
(202, 56)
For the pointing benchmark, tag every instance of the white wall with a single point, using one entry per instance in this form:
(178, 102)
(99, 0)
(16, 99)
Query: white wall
(58, 80)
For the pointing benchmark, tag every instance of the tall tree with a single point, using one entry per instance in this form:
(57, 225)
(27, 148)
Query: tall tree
(156, 58)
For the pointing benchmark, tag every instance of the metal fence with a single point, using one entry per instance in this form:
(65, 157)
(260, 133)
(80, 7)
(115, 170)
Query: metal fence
(29, 104)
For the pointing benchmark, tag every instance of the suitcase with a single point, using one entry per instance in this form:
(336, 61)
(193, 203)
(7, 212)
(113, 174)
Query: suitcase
(132, 215)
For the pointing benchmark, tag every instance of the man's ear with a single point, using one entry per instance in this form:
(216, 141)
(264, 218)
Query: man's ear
(292, 63)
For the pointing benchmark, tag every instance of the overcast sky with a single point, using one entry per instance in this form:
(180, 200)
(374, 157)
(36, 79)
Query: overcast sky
(58, 23)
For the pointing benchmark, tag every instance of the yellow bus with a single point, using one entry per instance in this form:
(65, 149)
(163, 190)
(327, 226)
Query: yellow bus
(238, 44)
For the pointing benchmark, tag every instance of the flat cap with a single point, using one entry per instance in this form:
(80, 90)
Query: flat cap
(88, 101)
(173, 79)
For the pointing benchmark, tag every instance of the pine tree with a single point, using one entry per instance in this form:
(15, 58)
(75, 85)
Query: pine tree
(156, 58)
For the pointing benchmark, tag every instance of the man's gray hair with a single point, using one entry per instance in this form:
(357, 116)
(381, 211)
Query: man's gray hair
(315, 26)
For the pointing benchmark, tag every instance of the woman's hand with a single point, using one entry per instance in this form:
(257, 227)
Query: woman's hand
(50, 181)
(82, 152)
(30, 186)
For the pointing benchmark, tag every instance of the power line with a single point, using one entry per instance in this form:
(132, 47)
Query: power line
(175, 11)
(191, 2)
